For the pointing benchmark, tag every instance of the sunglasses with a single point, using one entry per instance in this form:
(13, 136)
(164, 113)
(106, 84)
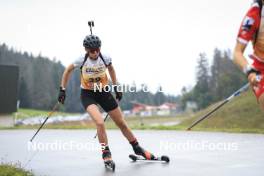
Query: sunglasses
(94, 50)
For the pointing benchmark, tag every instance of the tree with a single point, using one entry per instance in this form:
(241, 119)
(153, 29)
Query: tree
(226, 77)
(216, 83)
(201, 89)
(23, 94)
(159, 97)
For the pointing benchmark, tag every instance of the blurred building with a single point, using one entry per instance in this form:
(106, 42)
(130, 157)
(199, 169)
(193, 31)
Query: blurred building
(165, 109)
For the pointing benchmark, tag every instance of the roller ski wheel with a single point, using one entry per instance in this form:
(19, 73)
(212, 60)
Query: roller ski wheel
(163, 158)
(110, 164)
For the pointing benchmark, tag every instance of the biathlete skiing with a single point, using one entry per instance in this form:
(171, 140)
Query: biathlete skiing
(252, 29)
(93, 65)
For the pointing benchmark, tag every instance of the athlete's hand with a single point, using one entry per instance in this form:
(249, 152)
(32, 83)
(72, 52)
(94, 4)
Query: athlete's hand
(253, 79)
(119, 94)
(62, 95)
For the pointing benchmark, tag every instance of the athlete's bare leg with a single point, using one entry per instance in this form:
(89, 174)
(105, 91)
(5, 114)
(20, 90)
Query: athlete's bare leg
(99, 122)
(119, 120)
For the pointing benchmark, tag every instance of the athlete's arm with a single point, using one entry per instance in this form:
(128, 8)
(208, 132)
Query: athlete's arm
(66, 75)
(241, 61)
(239, 58)
(247, 32)
(112, 74)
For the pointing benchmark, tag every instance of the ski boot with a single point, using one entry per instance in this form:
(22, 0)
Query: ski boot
(108, 162)
(142, 152)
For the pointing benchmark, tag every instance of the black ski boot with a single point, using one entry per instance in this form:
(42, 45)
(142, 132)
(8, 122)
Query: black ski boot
(108, 162)
(141, 151)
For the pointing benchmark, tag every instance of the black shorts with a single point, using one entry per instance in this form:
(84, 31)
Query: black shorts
(104, 99)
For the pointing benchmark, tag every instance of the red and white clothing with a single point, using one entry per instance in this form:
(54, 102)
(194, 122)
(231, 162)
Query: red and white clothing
(252, 29)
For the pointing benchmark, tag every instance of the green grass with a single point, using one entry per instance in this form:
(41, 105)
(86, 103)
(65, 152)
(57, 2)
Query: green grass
(28, 113)
(242, 114)
(133, 122)
(13, 170)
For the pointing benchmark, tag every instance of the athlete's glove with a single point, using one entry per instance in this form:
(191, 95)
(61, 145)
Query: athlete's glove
(250, 69)
(62, 95)
(119, 94)
(253, 75)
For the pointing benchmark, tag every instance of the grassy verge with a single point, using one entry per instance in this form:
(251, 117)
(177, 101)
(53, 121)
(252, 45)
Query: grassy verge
(13, 170)
(133, 122)
(28, 113)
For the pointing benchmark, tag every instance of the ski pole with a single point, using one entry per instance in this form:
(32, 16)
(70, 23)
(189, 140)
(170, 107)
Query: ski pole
(237, 93)
(49, 114)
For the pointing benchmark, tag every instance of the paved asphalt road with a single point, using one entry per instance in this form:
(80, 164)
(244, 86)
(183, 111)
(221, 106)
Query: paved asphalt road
(76, 153)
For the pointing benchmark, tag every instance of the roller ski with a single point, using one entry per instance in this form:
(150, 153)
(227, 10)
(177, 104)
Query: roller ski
(135, 158)
(144, 155)
(108, 162)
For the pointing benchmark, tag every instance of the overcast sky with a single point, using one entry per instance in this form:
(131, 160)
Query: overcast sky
(156, 42)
